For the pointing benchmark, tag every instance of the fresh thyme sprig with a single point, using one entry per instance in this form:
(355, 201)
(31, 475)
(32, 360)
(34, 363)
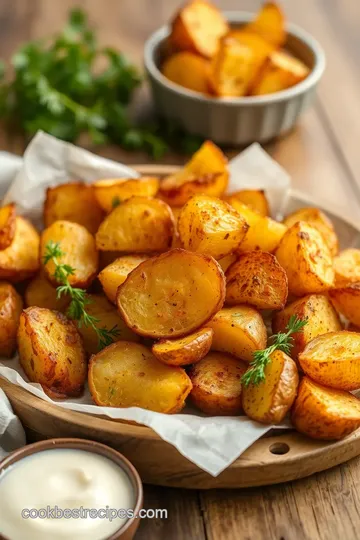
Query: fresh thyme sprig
(79, 298)
(282, 341)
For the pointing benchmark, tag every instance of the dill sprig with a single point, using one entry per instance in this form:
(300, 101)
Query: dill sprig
(79, 298)
(282, 341)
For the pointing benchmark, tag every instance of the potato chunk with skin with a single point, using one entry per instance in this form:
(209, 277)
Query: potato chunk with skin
(7, 225)
(113, 275)
(172, 295)
(266, 234)
(269, 401)
(128, 375)
(51, 352)
(110, 193)
(41, 293)
(20, 260)
(251, 217)
(138, 225)
(78, 250)
(256, 278)
(255, 199)
(211, 226)
(217, 386)
(10, 308)
(188, 70)
(269, 24)
(239, 330)
(320, 315)
(187, 350)
(324, 413)
(347, 301)
(347, 267)
(227, 261)
(306, 259)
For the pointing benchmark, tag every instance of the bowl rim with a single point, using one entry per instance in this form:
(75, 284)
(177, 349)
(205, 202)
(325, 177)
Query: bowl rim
(237, 17)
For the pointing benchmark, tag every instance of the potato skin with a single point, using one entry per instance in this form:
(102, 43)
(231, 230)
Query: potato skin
(324, 413)
(188, 70)
(255, 199)
(112, 192)
(10, 308)
(217, 386)
(256, 278)
(20, 260)
(51, 352)
(41, 293)
(113, 275)
(7, 225)
(347, 267)
(187, 350)
(346, 301)
(127, 374)
(265, 234)
(269, 24)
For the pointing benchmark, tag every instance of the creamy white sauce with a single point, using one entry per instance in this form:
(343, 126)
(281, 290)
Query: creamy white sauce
(66, 478)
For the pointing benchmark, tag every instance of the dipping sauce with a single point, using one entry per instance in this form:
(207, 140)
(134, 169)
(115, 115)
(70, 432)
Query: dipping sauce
(68, 479)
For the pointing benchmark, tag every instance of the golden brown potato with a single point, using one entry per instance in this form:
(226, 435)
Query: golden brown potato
(211, 226)
(256, 278)
(78, 250)
(216, 383)
(251, 217)
(239, 330)
(197, 27)
(321, 318)
(324, 413)
(347, 267)
(138, 225)
(255, 199)
(7, 225)
(115, 273)
(171, 295)
(319, 221)
(269, 24)
(111, 193)
(347, 301)
(270, 400)
(73, 202)
(20, 260)
(187, 350)
(227, 261)
(265, 234)
(51, 352)
(206, 172)
(127, 374)
(306, 259)
(10, 308)
(41, 293)
(188, 70)
(333, 359)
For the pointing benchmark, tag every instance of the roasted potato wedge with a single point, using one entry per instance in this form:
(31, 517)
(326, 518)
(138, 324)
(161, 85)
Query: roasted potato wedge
(255, 199)
(51, 352)
(306, 259)
(172, 295)
(7, 225)
(216, 383)
(347, 301)
(138, 225)
(227, 261)
(239, 330)
(78, 250)
(10, 308)
(324, 413)
(20, 260)
(251, 217)
(41, 293)
(320, 315)
(333, 359)
(347, 267)
(115, 273)
(127, 374)
(270, 400)
(211, 226)
(266, 234)
(188, 70)
(111, 193)
(187, 350)
(73, 202)
(269, 24)
(257, 279)
(206, 172)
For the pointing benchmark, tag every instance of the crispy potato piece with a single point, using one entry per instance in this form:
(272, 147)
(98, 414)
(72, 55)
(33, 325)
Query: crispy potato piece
(171, 295)
(321, 318)
(79, 251)
(216, 383)
(269, 24)
(51, 352)
(254, 199)
(127, 374)
(138, 225)
(251, 217)
(347, 301)
(256, 278)
(319, 221)
(108, 317)
(11, 305)
(41, 293)
(20, 260)
(306, 259)
(211, 226)
(73, 202)
(239, 330)
(266, 234)
(115, 273)
(270, 400)
(324, 413)
(7, 225)
(347, 267)
(188, 70)
(197, 27)
(186, 350)
(111, 193)
(227, 261)
(206, 172)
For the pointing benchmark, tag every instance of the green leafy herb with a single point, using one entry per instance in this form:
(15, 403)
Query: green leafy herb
(79, 298)
(115, 202)
(283, 341)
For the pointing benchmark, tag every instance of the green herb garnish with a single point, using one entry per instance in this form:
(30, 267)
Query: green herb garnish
(115, 202)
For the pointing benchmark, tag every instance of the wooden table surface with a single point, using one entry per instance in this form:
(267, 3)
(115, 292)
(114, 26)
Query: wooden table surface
(323, 157)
